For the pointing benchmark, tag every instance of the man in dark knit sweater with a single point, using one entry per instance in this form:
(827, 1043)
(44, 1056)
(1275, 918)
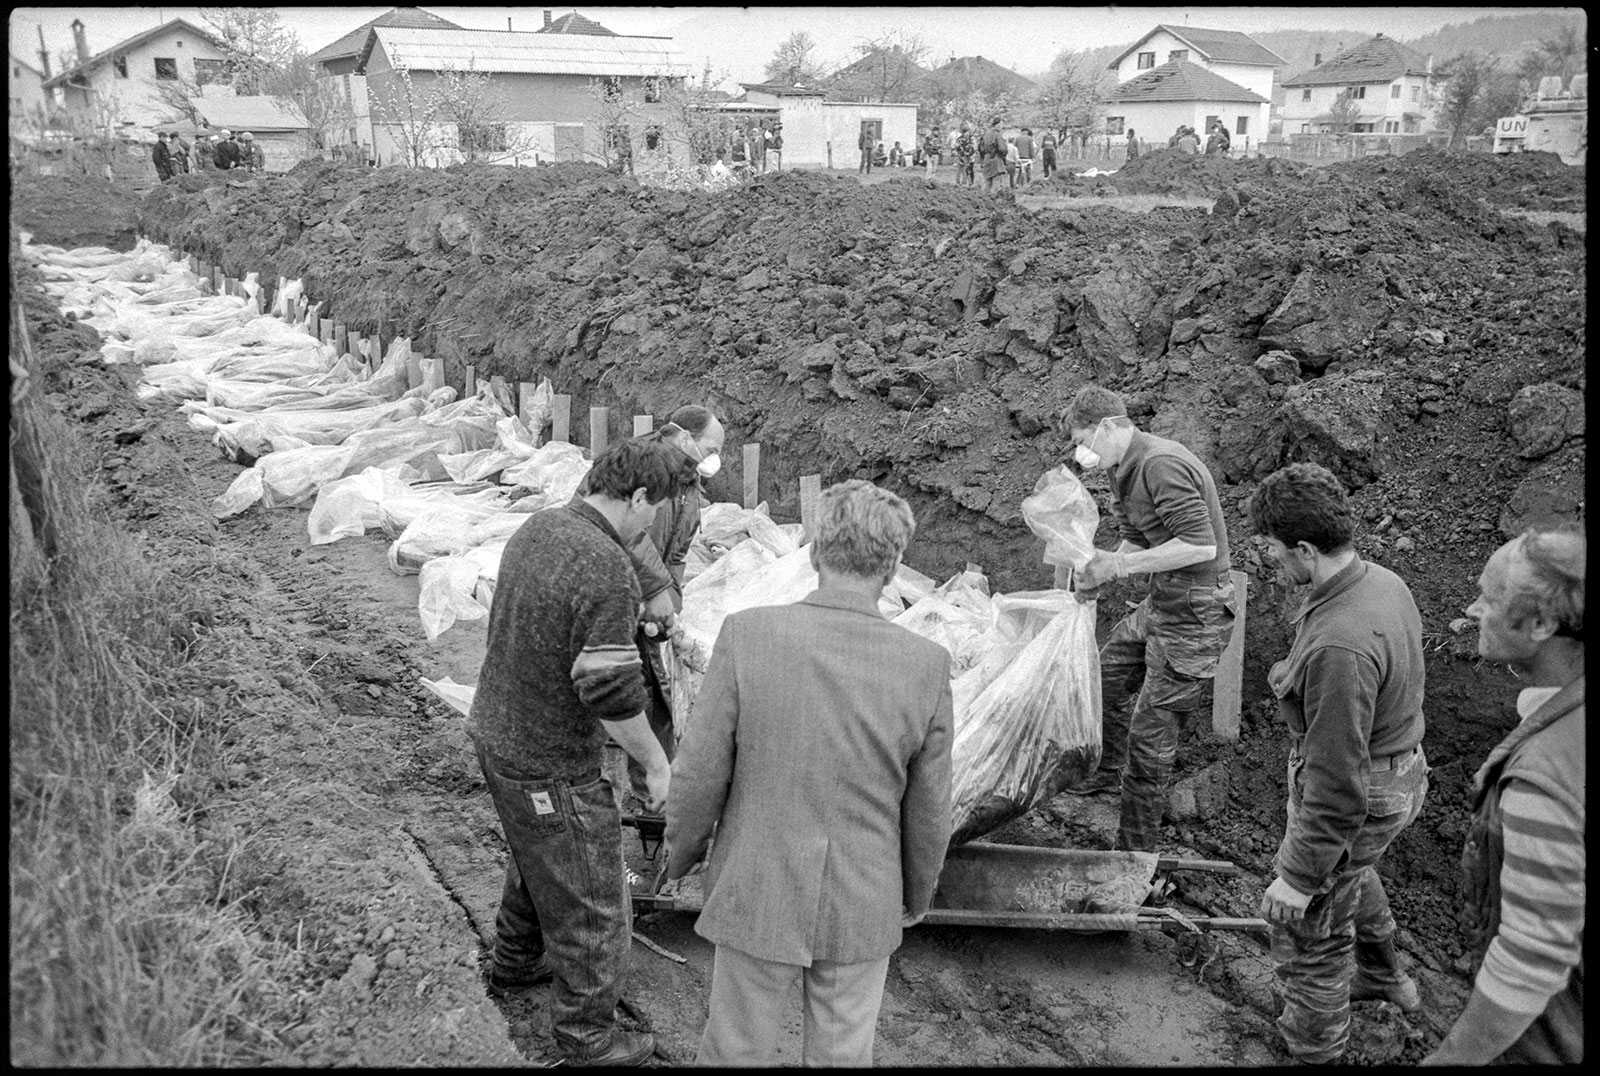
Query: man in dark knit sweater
(561, 672)
(1350, 692)
(1165, 505)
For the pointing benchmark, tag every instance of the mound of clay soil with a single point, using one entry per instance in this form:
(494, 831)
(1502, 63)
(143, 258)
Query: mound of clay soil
(1166, 171)
(74, 211)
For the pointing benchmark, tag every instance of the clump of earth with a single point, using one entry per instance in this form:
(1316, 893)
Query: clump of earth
(1386, 318)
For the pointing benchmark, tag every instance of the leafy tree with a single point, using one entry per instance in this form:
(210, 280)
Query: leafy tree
(254, 42)
(1343, 114)
(1561, 53)
(794, 63)
(299, 86)
(1470, 91)
(1072, 93)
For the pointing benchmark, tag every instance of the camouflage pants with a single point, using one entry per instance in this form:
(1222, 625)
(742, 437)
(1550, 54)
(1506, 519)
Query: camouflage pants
(1314, 957)
(1153, 670)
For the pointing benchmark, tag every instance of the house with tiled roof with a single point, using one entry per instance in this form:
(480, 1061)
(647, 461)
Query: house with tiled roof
(120, 87)
(1183, 93)
(964, 75)
(1393, 90)
(336, 63)
(555, 90)
(573, 24)
(1237, 57)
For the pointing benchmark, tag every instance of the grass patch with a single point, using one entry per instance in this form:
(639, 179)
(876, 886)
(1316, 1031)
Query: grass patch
(124, 950)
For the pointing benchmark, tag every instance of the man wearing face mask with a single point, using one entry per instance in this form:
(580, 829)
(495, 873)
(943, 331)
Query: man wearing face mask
(659, 554)
(1154, 666)
(1350, 692)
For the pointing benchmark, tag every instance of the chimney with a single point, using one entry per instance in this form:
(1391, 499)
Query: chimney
(80, 41)
(547, 20)
(1430, 63)
(508, 24)
(705, 79)
(1317, 60)
(44, 53)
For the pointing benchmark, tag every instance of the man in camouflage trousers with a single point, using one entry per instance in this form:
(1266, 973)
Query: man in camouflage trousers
(1159, 657)
(1350, 694)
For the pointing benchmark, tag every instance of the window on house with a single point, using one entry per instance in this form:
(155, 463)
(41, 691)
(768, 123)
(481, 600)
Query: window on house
(1305, 95)
(1358, 93)
(207, 72)
(1305, 128)
(1146, 60)
(483, 138)
(121, 65)
(1242, 125)
(1391, 127)
(613, 88)
(1210, 121)
(1394, 92)
(166, 68)
(1416, 93)
(1114, 124)
(1177, 54)
(652, 89)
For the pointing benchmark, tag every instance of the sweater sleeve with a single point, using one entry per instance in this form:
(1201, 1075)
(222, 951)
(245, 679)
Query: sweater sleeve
(1180, 500)
(608, 673)
(1540, 939)
(1338, 700)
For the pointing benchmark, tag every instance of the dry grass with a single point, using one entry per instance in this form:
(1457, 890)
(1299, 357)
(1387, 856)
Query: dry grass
(122, 952)
(1128, 203)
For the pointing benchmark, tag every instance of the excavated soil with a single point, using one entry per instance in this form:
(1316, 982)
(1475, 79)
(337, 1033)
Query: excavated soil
(1382, 317)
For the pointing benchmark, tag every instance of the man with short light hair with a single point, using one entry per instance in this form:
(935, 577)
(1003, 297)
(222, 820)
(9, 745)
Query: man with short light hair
(819, 756)
(1154, 666)
(1524, 868)
(1350, 692)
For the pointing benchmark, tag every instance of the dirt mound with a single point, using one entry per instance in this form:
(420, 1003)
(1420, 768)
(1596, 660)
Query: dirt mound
(1166, 171)
(101, 212)
(1522, 180)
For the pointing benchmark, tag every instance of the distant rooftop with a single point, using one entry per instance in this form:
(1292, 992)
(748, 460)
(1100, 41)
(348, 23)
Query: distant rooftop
(1218, 46)
(1182, 80)
(526, 53)
(1377, 59)
(575, 24)
(352, 43)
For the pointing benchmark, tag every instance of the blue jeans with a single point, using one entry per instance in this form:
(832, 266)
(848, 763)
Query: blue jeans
(1314, 957)
(566, 896)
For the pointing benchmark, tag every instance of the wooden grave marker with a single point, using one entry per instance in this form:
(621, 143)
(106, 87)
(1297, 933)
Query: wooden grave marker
(599, 430)
(810, 501)
(561, 417)
(643, 424)
(752, 474)
(1227, 690)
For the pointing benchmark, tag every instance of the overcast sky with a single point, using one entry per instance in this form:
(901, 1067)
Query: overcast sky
(737, 42)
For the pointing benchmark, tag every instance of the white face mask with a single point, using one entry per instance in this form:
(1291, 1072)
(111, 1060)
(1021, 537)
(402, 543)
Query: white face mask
(708, 463)
(1086, 456)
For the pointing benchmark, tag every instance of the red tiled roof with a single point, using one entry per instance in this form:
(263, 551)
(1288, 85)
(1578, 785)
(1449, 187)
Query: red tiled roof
(1377, 59)
(351, 44)
(1182, 80)
(1218, 46)
(576, 24)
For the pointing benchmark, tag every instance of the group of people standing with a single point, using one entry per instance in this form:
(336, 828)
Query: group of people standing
(1184, 139)
(813, 786)
(173, 156)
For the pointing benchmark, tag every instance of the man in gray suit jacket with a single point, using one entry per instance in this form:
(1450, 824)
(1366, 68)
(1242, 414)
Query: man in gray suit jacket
(820, 754)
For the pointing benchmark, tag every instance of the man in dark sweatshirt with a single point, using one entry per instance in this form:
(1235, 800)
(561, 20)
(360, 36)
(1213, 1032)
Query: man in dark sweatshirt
(1164, 502)
(562, 671)
(1350, 692)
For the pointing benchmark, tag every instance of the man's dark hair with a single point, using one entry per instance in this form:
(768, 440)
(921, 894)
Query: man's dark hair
(658, 468)
(692, 417)
(1092, 404)
(1304, 502)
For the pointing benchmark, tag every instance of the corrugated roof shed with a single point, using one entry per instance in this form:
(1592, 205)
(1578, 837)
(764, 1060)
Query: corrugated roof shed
(254, 114)
(352, 43)
(1377, 59)
(576, 24)
(1218, 46)
(532, 53)
(779, 89)
(183, 25)
(1182, 80)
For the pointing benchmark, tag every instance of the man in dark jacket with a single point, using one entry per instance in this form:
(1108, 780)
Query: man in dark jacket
(1524, 865)
(226, 153)
(1350, 692)
(866, 143)
(1047, 152)
(161, 156)
(560, 673)
(992, 150)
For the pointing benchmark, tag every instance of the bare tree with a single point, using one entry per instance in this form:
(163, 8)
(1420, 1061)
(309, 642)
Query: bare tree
(254, 42)
(181, 98)
(693, 129)
(794, 63)
(1072, 93)
(297, 86)
(1343, 114)
(889, 69)
(482, 132)
(620, 119)
(413, 112)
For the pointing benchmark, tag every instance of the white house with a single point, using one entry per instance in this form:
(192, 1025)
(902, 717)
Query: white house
(27, 101)
(813, 127)
(1237, 57)
(337, 63)
(1179, 92)
(549, 86)
(1393, 87)
(121, 86)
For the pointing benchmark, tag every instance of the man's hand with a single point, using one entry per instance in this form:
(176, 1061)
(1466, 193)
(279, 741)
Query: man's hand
(659, 608)
(1101, 569)
(657, 783)
(907, 920)
(1283, 903)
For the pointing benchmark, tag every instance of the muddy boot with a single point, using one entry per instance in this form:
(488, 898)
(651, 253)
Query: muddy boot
(1378, 977)
(1099, 781)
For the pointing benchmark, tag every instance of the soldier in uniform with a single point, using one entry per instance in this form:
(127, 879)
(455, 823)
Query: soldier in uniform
(1159, 657)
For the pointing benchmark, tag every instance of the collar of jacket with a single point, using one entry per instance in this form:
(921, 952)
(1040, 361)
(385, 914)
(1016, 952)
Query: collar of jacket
(1565, 701)
(586, 511)
(1342, 581)
(837, 598)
